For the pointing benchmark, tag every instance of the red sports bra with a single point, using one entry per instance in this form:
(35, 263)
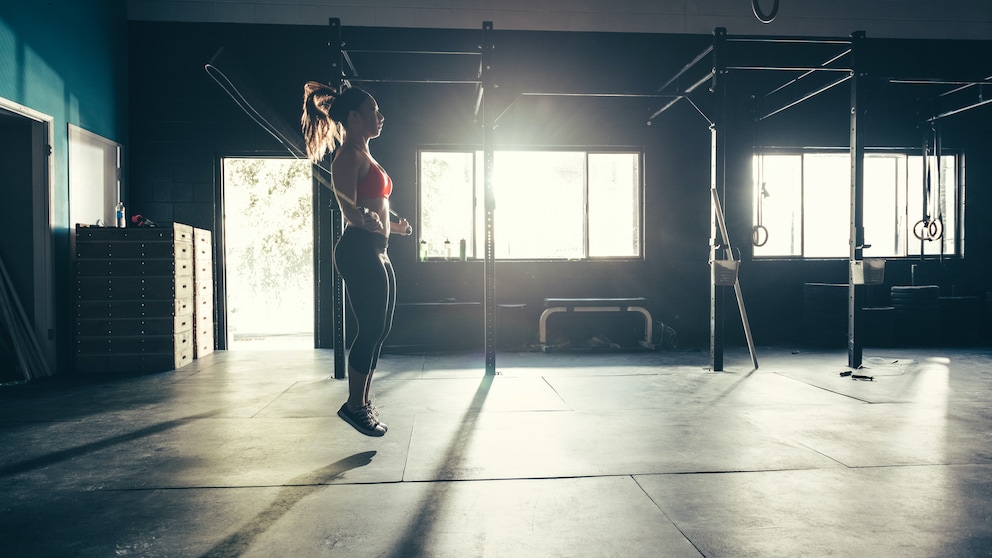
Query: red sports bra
(376, 184)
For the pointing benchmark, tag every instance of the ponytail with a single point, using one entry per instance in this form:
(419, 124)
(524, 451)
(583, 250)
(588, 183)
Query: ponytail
(325, 112)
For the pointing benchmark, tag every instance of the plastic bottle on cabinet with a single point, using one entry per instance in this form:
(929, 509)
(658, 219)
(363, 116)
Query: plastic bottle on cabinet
(120, 215)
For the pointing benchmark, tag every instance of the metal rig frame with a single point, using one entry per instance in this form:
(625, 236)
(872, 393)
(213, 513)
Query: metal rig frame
(488, 114)
(342, 68)
(844, 63)
(852, 65)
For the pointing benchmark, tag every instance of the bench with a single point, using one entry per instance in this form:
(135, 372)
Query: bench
(555, 305)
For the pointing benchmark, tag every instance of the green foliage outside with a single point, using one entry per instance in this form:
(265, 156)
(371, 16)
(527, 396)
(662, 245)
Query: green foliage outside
(269, 238)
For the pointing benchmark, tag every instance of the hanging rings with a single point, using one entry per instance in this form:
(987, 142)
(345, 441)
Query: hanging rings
(928, 229)
(759, 235)
(758, 13)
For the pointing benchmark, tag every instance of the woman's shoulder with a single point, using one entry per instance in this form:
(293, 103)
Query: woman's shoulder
(346, 158)
(351, 156)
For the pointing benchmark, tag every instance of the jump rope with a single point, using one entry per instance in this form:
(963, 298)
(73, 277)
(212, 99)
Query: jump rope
(293, 142)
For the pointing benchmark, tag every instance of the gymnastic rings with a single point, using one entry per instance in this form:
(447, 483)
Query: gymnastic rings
(928, 230)
(758, 13)
(759, 235)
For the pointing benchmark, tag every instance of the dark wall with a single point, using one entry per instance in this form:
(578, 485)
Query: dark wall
(182, 122)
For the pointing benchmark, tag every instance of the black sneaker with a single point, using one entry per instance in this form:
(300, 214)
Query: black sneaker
(375, 415)
(361, 420)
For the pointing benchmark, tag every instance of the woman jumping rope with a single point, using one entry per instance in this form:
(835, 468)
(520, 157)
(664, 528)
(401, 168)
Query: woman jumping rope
(343, 123)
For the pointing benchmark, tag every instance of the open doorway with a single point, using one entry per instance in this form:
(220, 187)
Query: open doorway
(26, 140)
(268, 238)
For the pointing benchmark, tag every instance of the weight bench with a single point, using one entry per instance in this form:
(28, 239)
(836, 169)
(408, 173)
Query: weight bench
(555, 305)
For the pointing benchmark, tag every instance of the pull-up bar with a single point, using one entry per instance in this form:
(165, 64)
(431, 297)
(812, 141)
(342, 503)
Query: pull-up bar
(684, 95)
(687, 67)
(959, 110)
(962, 85)
(719, 67)
(787, 39)
(415, 52)
(807, 96)
(810, 72)
(426, 81)
(346, 55)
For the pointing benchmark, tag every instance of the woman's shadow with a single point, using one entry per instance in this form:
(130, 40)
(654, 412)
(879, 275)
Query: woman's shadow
(292, 492)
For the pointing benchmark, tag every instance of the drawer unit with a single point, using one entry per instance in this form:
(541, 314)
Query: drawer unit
(203, 293)
(97, 309)
(134, 288)
(134, 293)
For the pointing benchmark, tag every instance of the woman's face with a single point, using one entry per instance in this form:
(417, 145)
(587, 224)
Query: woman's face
(370, 119)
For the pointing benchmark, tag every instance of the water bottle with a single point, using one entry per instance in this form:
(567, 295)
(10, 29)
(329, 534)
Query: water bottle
(447, 249)
(423, 250)
(120, 215)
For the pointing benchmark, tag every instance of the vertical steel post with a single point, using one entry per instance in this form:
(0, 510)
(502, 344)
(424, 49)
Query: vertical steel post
(855, 292)
(488, 127)
(337, 219)
(718, 175)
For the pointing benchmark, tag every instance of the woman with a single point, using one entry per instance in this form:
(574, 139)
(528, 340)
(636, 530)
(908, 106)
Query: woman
(343, 123)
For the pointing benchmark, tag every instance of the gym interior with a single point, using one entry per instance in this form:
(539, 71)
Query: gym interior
(784, 351)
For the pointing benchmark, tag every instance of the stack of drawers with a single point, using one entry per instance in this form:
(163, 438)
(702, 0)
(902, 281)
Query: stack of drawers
(203, 293)
(134, 298)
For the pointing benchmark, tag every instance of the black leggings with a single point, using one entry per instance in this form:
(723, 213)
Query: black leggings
(360, 257)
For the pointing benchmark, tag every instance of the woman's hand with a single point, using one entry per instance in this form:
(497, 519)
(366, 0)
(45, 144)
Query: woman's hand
(402, 227)
(371, 220)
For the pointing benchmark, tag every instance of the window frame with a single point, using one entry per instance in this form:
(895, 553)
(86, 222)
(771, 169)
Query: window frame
(475, 250)
(904, 203)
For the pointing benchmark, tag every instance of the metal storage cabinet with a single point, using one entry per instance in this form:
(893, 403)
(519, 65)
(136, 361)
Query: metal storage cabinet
(203, 293)
(134, 298)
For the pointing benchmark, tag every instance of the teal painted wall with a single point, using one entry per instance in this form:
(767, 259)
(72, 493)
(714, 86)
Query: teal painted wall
(66, 59)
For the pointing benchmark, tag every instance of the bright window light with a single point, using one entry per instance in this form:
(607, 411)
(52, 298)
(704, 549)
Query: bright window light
(779, 198)
(447, 199)
(540, 204)
(614, 205)
(826, 205)
(550, 205)
(885, 179)
(803, 202)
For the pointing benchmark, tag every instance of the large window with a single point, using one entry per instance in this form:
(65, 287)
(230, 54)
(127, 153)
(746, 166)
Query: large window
(803, 203)
(550, 205)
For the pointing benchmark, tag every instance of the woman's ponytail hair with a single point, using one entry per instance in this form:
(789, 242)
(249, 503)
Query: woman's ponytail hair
(325, 112)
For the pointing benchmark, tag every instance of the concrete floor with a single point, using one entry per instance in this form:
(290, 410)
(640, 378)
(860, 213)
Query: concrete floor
(569, 454)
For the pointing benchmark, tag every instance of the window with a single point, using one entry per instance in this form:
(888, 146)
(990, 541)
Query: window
(550, 205)
(803, 203)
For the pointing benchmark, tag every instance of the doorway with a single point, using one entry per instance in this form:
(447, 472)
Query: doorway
(26, 140)
(268, 247)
